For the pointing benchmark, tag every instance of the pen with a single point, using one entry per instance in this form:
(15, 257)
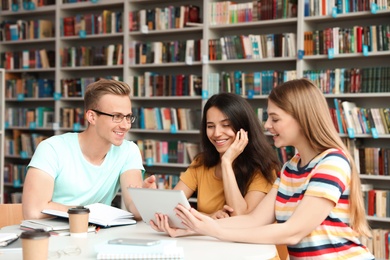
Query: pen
(9, 241)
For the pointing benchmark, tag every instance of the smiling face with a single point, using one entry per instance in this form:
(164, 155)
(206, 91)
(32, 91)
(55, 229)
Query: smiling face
(108, 130)
(284, 128)
(219, 130)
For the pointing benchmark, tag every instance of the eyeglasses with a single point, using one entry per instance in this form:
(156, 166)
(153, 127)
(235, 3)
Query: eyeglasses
(118, 118)
(69, 251)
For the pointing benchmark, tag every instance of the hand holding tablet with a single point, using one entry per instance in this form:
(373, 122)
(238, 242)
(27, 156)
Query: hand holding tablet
(152, 201)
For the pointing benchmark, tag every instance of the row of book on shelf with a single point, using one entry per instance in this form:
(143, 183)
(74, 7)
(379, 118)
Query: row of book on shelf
(374, 160)
(330, 81)
(379, 243)
(28, 87)
(14, 174)
(354, 39)
(230, 12)
(16, 5)
(28, 59)
(154, 84)
(376, 201)
(351, 80)
(350, 119)
(70, 57)
(107, 21)
(325, 8)
(29, 117)
(253, 46)
(171, 151)
(26, 29)
(79, 56)
(167, 118)
(162, 18)
(187, 51)
(247, 83)
(43, 117)
(23, 144)
(74, 1)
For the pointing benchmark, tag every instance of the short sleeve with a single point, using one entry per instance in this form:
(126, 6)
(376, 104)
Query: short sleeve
(330, 177)
(260, 183)
(189, 177)
(133, 158)
(45, 158)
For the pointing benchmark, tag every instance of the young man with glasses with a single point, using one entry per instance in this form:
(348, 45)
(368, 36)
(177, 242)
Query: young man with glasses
(84, 168)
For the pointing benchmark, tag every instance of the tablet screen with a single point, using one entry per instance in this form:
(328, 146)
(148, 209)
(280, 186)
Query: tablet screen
(151, 201)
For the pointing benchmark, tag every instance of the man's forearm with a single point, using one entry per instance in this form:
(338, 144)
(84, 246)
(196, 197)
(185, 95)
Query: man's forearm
(35, 212)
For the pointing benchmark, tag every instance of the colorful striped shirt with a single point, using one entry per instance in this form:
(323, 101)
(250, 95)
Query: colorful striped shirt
(327, 176)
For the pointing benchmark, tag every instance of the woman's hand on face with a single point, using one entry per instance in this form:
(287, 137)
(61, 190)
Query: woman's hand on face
(161, 225)
(237, 147)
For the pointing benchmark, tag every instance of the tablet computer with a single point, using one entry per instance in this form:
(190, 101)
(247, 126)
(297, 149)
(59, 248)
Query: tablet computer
(152, 201)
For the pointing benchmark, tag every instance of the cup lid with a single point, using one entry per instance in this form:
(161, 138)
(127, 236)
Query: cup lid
(35, 234)
(78, 210)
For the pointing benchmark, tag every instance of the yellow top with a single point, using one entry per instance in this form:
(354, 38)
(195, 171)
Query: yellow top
(210, 189)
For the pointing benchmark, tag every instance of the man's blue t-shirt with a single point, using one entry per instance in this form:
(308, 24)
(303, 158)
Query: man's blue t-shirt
(77, 181)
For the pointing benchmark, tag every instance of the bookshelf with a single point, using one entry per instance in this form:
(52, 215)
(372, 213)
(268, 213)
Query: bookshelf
(2, 105)
(205, 69)
(154, 68)
(372, 57)
(30, 51)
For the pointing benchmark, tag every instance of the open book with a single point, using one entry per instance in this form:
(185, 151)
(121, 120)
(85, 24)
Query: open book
(101, 214)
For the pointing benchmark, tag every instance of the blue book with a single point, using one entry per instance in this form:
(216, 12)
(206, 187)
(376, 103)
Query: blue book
(342, 83)
(366, 127)
(307, 8)
(142, 117)
(338, 115)
(257, 83)
(237, 82)
(158, 118)
(14, 32)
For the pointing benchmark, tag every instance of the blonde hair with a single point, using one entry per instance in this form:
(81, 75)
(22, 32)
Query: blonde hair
(304, 101)
(96, 90)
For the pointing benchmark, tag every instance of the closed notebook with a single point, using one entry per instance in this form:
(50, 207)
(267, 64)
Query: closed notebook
(50, 224)
(166, 249)
(56, 226)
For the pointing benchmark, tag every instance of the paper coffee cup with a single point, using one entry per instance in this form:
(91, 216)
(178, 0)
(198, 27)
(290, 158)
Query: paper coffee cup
(35, 245)
(78, 221)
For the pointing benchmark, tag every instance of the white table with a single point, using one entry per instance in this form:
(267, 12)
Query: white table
(195, 247)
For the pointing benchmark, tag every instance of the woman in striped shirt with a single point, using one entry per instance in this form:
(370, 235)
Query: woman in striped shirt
(316, 200)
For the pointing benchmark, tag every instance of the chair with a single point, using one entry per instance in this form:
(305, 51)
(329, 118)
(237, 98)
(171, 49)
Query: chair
(282, 252)
(11, 214)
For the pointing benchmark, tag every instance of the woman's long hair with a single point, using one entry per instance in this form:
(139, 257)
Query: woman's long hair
(258, 155)
(304, 101)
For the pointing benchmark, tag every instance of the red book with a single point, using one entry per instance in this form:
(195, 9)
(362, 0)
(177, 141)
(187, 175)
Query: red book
(68, 26)
(386, 234)
(179, 84)
(359, 39)
(371, 203)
